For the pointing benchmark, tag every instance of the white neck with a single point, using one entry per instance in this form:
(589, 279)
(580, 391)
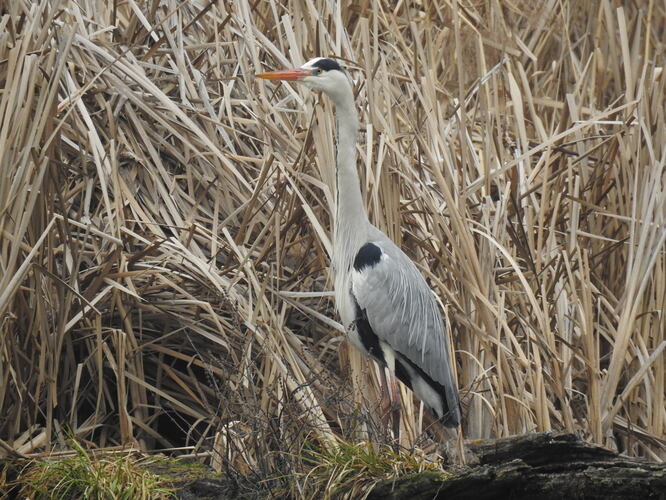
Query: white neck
(351, 220)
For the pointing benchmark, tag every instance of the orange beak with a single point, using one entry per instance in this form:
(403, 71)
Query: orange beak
(287, 74)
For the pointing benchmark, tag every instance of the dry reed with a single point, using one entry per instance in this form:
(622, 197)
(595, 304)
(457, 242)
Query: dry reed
(165, 219)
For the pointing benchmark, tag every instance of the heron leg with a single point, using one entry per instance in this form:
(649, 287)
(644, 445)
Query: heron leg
(395, 407)
(391, 403)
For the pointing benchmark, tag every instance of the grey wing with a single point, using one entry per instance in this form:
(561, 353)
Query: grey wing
(402, 312)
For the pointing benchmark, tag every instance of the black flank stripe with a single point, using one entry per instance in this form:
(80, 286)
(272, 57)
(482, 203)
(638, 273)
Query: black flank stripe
(439, 388)
(402, 374)
(368, 338)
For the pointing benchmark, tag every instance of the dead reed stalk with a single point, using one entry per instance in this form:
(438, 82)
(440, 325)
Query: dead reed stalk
(165, 218)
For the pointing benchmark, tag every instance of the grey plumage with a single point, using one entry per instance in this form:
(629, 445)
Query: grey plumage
(403, 313)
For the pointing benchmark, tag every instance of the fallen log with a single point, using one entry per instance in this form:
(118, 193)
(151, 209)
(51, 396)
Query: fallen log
(536, 466)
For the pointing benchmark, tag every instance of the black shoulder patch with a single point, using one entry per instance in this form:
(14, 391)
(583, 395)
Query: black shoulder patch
(367, 256)
(327, 64)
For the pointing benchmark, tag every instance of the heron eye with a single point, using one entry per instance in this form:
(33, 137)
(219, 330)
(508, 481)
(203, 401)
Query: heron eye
(316, 72)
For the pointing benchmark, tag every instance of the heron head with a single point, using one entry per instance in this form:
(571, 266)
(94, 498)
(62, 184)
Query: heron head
(319, 73)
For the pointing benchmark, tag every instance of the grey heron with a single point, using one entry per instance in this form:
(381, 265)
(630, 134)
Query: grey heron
(388, 309)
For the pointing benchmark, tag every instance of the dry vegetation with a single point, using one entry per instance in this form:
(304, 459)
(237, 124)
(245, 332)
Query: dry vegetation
(165, 219)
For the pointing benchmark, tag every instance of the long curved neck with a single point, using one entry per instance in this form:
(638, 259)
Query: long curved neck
(351, 221)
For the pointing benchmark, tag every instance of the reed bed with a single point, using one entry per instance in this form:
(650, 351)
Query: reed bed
(165, 220)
